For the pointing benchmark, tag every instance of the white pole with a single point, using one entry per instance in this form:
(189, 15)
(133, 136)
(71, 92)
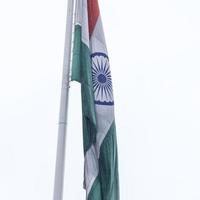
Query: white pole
(60, 159)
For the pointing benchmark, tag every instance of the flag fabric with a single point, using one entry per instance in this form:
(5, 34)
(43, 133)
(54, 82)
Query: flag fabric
(90, 67)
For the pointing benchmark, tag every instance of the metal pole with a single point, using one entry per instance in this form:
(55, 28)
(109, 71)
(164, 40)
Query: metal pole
(61, 145)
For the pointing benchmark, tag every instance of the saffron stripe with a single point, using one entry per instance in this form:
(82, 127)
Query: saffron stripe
(93, 14)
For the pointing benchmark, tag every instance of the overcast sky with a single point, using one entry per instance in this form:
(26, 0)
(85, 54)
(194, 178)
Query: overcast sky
(154, 50)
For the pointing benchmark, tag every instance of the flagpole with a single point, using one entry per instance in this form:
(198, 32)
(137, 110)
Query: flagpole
(62, 129)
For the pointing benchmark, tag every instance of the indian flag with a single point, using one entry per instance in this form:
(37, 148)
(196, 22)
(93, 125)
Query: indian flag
(91, 68)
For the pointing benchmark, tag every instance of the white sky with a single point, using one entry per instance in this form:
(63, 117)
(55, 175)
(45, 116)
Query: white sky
(154, 49)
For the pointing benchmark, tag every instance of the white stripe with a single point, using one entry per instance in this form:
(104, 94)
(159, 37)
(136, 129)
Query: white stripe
(85, 26)
(104, 114)
(82, 19)
(97, 40)
(78, 12)
(105, 118)
(91, 168)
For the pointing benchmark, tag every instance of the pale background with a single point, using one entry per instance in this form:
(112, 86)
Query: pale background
(154, 48)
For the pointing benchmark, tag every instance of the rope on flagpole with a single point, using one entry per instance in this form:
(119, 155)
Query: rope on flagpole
(62, 128)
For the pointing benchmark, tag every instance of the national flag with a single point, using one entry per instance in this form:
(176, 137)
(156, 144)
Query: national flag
(90, 67)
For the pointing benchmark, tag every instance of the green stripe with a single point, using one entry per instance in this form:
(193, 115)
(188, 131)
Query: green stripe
(106, 185)
(81, 72)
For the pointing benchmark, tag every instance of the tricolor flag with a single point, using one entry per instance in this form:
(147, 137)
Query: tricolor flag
(91, 68)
